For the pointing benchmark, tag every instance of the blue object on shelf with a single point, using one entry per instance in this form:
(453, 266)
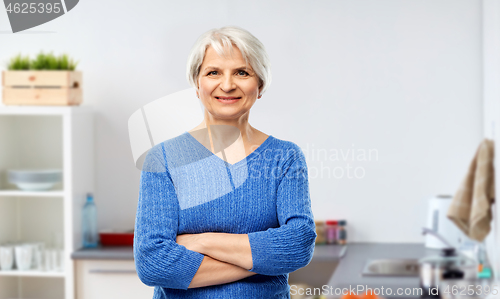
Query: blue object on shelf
(89, 223)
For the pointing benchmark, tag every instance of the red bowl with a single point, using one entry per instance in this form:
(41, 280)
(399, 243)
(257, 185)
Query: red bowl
(117, 239)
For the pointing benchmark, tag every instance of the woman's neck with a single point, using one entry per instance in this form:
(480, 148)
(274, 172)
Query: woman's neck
(223, 134)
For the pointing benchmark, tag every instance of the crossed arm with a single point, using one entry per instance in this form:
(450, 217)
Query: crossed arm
(228, 257)
(166, 259)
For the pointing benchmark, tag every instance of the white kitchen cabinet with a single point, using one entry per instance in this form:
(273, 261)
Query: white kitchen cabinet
(36, 138)
(104, 279)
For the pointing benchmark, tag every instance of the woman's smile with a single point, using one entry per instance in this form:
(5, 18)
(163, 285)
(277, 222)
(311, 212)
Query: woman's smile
(228, 100)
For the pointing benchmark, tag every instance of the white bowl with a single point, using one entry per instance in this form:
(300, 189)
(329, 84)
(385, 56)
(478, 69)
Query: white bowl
(35, 186)
(35, 180)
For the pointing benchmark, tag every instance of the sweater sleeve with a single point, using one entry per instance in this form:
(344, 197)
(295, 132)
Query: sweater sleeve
(289, 247)
(159, 260)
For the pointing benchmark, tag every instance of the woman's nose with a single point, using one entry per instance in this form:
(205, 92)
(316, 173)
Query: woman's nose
(227, 84)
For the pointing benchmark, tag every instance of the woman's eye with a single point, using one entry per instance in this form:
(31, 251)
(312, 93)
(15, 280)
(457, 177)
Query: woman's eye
(242, 73)
(212, 73)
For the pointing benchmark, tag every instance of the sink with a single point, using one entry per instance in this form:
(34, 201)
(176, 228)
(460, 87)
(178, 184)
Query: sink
(391, 267)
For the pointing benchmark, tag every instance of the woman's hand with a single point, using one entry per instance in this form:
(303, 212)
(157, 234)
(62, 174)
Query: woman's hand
(191, 241)
(230, 248)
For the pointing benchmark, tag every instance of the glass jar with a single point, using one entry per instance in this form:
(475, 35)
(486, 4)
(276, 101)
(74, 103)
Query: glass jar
(341, 232)
(320, 232)
(331, 232)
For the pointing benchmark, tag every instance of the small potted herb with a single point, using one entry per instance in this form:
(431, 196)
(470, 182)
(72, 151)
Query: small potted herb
(45, 80)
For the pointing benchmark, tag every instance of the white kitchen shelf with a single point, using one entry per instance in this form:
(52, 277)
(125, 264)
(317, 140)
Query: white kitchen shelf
(32, 273)
(42, 110)
(21, 193)
(54, 138)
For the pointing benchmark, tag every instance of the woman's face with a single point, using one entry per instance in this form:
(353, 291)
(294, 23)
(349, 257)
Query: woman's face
(227, 88)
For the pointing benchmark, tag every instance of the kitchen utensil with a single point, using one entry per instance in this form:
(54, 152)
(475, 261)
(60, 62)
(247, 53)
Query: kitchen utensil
(439, 222)
(34, 180)
(37, 249)
(24, 256)
(448, 265)
(6, 257)
(47, 260)
(391, 267)
(61, 263)
(54, 259)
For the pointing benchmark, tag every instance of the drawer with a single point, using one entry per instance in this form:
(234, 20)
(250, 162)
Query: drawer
(104, 279)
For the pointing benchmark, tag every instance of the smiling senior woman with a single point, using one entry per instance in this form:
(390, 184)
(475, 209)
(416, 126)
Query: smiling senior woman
(224, 215)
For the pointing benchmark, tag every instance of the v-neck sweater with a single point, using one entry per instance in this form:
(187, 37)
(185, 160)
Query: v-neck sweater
(186, 189)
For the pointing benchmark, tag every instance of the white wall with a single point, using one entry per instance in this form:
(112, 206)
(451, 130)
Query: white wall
(402, 78)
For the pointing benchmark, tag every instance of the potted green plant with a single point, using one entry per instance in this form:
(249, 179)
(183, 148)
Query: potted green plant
(45, 80)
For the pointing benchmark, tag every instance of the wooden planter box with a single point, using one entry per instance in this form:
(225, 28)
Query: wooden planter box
(58, 88)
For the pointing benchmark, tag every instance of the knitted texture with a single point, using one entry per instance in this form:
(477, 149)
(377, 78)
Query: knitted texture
(186, 189)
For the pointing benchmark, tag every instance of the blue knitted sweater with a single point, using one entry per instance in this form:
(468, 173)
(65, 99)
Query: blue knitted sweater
(186, 189)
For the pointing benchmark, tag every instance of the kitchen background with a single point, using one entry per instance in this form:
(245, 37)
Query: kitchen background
(399, 78)
(402, 81)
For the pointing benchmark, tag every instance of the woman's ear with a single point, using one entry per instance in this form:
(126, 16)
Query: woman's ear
(198, 86)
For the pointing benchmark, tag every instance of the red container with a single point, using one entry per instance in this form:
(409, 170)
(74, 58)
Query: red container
(117, 238)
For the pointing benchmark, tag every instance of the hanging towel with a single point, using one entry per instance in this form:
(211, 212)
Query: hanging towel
(470, 208)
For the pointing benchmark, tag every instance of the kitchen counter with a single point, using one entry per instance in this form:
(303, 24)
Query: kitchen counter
(328, 252)
(321, 253)
(351, 260)
(104, 253)
(348, 272)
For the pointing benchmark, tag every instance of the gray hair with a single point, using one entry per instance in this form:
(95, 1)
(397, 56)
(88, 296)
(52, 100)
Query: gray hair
(251, 49)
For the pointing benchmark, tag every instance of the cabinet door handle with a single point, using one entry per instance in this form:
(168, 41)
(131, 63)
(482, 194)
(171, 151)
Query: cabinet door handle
(106, 271)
